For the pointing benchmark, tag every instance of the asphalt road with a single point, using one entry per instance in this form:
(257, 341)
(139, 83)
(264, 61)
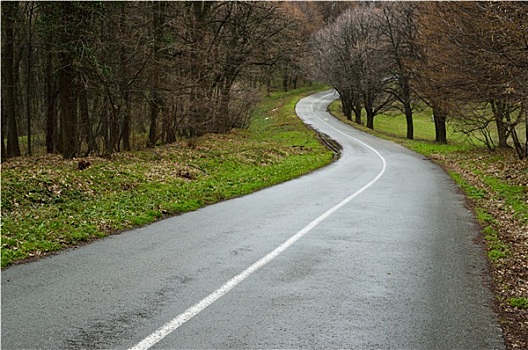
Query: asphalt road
(376, 251)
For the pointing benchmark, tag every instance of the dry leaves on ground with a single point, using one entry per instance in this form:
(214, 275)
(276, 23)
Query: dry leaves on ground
(497, 173)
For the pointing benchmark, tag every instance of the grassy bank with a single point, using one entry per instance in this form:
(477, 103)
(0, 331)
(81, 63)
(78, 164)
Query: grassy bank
(48, 204)
(496, 185)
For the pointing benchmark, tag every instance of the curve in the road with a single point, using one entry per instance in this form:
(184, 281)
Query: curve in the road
(179, 320)
(399, 267)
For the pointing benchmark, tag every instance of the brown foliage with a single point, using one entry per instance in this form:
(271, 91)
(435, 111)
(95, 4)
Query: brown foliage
(469, 51)
(104, 72)
(476, 52)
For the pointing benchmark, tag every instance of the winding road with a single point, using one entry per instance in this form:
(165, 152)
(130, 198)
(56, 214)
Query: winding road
(375, 251)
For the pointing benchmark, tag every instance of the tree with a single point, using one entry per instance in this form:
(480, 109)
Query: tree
(349, 55)
(474, 53)
(46, 34)
(396, 25)
(30, 10)
(69, 28)
(93, 76)
(376, 68)
(9, 69)
(156, 101)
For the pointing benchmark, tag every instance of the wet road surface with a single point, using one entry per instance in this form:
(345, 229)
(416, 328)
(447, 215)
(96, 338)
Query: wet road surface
(375, 251)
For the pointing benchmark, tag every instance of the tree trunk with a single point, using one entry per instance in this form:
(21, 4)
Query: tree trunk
(502, 131)
(154, 112)
(346, 108)
(356, 107)
(67, 114)
(498, 108)
(125, 128)
(28, 85)
(68, 117)
(409, 120)
(285, 79)
(51, 113)
(513, 132)
(126, 124)
(357, 113)
(115, 127)
(370, 117)
(294, 81)
(86, 121)
(105, 128)
(156, 101)
(2, 127)
(517, 144)
(9, 11)
(440, 124)
(170, 126)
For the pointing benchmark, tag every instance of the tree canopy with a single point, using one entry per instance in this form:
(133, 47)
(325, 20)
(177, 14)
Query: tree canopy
(102, 77)
(467, 60)
(94, 77)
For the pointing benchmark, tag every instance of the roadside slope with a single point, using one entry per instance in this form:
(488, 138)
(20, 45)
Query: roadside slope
(48, 204)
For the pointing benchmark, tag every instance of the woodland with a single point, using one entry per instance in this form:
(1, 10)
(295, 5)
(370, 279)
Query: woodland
(163, 93)
(82, 78)
(104, 77)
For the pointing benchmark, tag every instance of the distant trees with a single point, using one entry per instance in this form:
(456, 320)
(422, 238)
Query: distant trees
(96, 76)
(475, 59)
(102, 77)
(349, 55)
(396, 22)
(362, 55)
(333, 61)
(468, 60)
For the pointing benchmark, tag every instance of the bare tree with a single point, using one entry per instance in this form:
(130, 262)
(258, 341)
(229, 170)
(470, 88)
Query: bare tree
(93, 76)
(9, 100)
(398, 31)
(474, 53)
(336, 62)
(349, 55)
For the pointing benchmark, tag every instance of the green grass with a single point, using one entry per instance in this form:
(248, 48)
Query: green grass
(497, 249)
(392, 126)
(511, 195)
(521, 302)
(483, 176)
(472, 192)
(47, 204)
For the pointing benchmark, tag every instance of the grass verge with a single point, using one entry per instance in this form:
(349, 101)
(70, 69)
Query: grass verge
(496, 185)
(47, 204)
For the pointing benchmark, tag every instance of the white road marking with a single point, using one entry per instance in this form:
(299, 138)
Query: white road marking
(351, 137)
(175, 323)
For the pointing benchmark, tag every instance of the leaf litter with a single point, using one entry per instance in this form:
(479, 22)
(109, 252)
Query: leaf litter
(503, 179)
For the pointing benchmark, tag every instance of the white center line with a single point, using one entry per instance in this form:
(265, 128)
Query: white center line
(351, 137)
(175, 323)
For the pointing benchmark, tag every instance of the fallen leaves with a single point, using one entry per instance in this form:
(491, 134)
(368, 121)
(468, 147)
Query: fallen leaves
(49, 204)
(503, 178)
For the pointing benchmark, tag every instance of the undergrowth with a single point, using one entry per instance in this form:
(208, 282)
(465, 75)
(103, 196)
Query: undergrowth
(48, 204)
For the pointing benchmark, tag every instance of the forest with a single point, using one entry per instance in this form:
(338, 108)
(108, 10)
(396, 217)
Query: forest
(81, 78)
(104, 77)
(182, 104)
